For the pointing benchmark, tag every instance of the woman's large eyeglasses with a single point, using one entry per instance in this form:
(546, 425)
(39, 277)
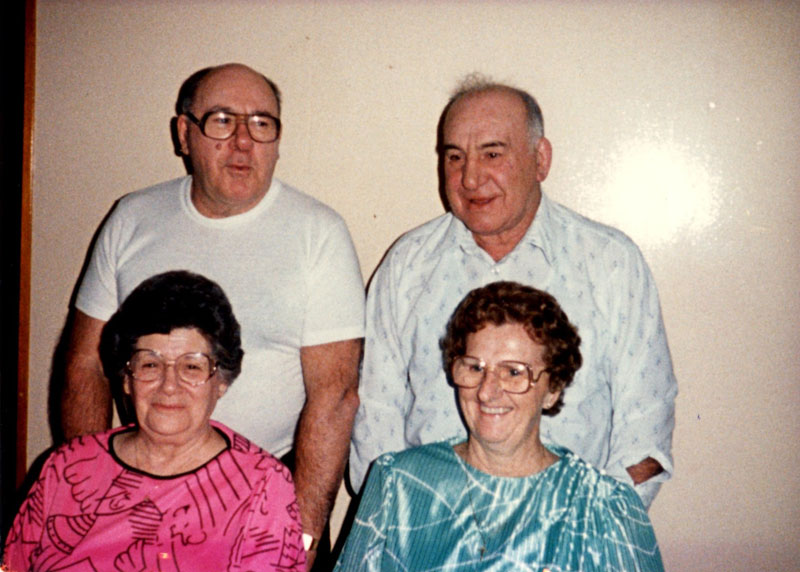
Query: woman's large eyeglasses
(192, 369)
(262, 127)
(514, 376)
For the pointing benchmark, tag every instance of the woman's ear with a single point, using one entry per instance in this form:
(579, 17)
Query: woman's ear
(126, 385)
(551, 399)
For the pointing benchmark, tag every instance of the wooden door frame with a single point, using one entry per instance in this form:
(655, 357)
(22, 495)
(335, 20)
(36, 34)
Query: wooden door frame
(26, 221)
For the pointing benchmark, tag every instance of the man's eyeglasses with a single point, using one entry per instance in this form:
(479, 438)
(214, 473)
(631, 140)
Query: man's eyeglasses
(221, 125)
(192, 369)
(514, 376)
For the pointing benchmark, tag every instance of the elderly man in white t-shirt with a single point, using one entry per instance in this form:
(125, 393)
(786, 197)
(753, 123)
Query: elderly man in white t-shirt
(285, 260)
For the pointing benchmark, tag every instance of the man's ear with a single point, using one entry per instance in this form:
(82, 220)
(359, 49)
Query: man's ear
(544, 156)
(182, 127)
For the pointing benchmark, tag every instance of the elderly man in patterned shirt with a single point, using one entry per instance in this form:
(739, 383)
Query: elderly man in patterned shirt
(619, 413)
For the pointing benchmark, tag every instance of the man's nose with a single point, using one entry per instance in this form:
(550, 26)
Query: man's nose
(471, 174)
(241, 137)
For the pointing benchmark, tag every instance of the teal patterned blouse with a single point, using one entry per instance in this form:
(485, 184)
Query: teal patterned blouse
(425, 509)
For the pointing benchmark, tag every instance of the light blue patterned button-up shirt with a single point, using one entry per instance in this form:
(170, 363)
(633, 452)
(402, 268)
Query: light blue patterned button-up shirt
(618, 410)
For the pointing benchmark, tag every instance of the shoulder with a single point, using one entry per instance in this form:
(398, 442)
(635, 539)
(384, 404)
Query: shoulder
(610, 515)
(239, 444)
(581, 227)
(155, 194)
(425, 242)
(86, 457)
(588, 482)
(88, 443)
(430, 477)
(295, 202)
(250, 456)
(580, 242)
(423, 459)
(157, 200)
(423, 239)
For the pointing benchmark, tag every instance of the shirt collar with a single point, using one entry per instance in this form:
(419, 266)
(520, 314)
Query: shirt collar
(539, 234)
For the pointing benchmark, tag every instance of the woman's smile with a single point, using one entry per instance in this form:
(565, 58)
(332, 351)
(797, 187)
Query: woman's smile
(487, 410)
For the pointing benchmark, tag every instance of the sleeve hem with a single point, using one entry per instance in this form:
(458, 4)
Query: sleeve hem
(334, 335)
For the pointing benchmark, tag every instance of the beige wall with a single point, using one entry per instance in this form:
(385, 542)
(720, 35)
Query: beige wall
(674, 121)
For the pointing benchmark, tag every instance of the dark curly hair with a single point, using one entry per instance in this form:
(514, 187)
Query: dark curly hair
(164, 302)
(538, 312)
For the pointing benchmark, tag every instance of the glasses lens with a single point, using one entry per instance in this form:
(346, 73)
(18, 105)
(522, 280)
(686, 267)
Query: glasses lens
(146, 366)
(468, 372)
(219, 125)
(262, 128)
(514, 376)
(194, 368)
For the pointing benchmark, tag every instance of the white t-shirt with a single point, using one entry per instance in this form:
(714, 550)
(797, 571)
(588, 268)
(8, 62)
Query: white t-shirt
(288, 267)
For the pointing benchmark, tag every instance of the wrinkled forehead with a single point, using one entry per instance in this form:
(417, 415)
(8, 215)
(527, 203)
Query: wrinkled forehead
(522, 329)
(490, 110)
(237, 88)
(178, 341)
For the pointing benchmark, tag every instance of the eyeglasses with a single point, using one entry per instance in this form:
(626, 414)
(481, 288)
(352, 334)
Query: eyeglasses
(221, 125)
(514, 376)
(193, 369)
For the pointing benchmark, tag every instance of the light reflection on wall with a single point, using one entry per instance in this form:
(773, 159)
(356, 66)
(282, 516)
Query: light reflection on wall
(658, 193)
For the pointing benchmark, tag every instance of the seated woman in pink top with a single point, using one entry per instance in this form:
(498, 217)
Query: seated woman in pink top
(175, 490)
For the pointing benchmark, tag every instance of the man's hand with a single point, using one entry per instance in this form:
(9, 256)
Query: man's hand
(86, 401)
(644, 470)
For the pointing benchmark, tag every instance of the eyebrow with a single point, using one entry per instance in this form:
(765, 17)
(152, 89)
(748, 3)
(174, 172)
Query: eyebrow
(482, 146)
(227, 109)
(492, 144)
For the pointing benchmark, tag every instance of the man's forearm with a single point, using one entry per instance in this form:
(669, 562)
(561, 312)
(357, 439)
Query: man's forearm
(322, 440)
(86, 402)
(86, 397)
(321, 446)
(644, 470)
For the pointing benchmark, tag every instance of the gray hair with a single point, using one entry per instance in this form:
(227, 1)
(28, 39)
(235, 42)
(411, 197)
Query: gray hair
(476, 83)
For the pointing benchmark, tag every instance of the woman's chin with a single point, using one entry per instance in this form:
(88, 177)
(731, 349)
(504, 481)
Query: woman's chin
(492, 438)
(157, 425)
(493, 428)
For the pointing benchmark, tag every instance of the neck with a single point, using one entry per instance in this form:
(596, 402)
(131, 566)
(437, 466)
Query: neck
(499, 244)
(164, 457)
(210, 208)
(522, 461)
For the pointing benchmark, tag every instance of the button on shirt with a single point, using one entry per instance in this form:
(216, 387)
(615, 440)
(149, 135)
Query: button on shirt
(618, 410)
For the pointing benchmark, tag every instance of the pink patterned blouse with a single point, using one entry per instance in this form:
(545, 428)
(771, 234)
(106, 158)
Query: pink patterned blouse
(90, 512)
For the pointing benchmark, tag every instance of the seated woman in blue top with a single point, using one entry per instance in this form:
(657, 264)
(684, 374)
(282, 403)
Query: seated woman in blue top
(501, 500)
